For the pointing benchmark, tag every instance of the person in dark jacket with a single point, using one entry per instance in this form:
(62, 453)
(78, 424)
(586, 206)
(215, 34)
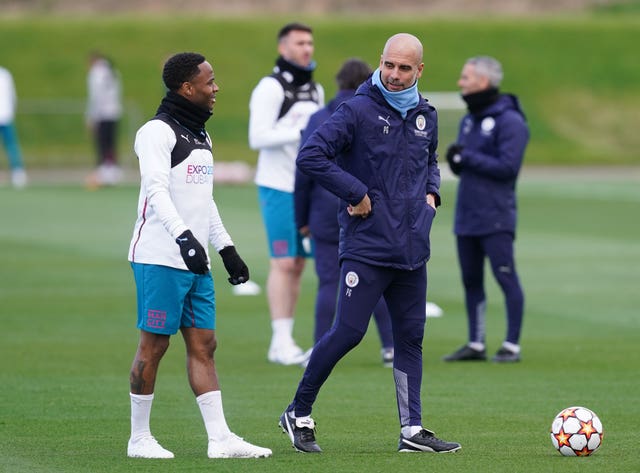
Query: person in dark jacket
(377, 152)
(316, 211)
(487, 157)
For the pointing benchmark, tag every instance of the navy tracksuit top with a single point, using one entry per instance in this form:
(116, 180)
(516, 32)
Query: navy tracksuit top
(493, 143)
(365, 147)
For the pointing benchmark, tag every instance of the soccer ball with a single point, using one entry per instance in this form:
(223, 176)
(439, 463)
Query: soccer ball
(576, 431)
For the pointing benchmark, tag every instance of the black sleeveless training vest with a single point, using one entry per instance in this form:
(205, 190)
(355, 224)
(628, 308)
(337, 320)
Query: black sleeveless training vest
(186, 140)
(304, 93)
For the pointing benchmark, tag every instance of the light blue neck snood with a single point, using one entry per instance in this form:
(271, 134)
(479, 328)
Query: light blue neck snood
(403, 100)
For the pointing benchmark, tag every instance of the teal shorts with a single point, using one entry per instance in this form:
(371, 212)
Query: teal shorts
(170, 298)
(280, 223)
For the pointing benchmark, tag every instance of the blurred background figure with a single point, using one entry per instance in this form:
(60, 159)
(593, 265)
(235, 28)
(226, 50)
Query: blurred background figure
(8, 102)
(280, 106)
(104, 110)
(487, 157)
(317, 218)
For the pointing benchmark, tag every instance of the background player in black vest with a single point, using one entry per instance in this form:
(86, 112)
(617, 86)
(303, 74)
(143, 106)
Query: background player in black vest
(280, 107)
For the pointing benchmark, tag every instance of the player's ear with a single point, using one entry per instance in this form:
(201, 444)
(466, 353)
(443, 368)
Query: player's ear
(186, 89)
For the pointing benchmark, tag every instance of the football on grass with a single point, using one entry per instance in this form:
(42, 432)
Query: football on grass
(576, 431)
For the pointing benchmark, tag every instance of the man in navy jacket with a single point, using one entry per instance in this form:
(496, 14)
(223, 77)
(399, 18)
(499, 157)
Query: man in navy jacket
(487, 157)
(377, 152)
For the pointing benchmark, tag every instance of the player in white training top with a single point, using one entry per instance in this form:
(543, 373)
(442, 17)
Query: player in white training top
(177, 219)
(280, 107)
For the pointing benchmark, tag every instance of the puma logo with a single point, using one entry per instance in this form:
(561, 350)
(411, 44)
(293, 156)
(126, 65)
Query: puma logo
(386, 120)
(186, 137)
(307, 423)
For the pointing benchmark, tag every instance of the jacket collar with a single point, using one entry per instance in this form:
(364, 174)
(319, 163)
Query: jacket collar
(502, 104)
(367, 88)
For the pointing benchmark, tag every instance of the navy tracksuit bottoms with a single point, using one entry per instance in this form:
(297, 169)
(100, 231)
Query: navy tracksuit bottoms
(328, 272)
(361, 286)
(498, 247)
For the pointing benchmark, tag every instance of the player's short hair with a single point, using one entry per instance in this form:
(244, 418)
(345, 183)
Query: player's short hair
(181, 68)
(289, 27)
(488, 67)
(352, 73)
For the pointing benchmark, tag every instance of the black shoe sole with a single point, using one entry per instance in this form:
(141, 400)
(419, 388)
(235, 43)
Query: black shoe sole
(411, 449)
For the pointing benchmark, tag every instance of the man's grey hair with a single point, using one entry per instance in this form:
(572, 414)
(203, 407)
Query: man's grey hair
(488, 67)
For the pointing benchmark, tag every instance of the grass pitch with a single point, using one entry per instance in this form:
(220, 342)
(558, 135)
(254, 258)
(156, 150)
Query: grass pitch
(67, 307)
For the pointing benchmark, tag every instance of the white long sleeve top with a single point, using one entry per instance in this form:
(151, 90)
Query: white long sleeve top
(277, 139)
(104, 90)
(173, 199)
(8, 97)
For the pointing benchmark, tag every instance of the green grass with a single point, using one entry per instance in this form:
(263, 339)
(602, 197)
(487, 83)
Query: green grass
(67, 306)
(578, 77)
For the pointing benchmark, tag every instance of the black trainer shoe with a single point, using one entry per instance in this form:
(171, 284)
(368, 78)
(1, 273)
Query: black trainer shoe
(301, 432)
(466, 353)
(426, 441)
(504, 355)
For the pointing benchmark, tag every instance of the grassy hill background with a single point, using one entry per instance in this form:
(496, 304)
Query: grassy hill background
(578, 77)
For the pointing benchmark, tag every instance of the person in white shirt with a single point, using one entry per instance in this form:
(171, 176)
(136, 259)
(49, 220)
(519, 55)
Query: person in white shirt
(280, 107)
(8, 102)
(104, 111)
(177, 219)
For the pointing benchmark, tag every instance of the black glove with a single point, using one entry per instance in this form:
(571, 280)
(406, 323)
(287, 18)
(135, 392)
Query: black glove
(234, 265)
(192, 253)
(454, 158)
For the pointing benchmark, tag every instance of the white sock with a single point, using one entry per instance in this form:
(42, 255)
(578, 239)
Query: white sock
(140, 414)
(282, 331)
(213, 416)
(478, 346)
(409, 431)
(512, 347)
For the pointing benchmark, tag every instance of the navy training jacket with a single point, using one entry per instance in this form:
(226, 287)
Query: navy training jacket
(365, 147)
(494, 141)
